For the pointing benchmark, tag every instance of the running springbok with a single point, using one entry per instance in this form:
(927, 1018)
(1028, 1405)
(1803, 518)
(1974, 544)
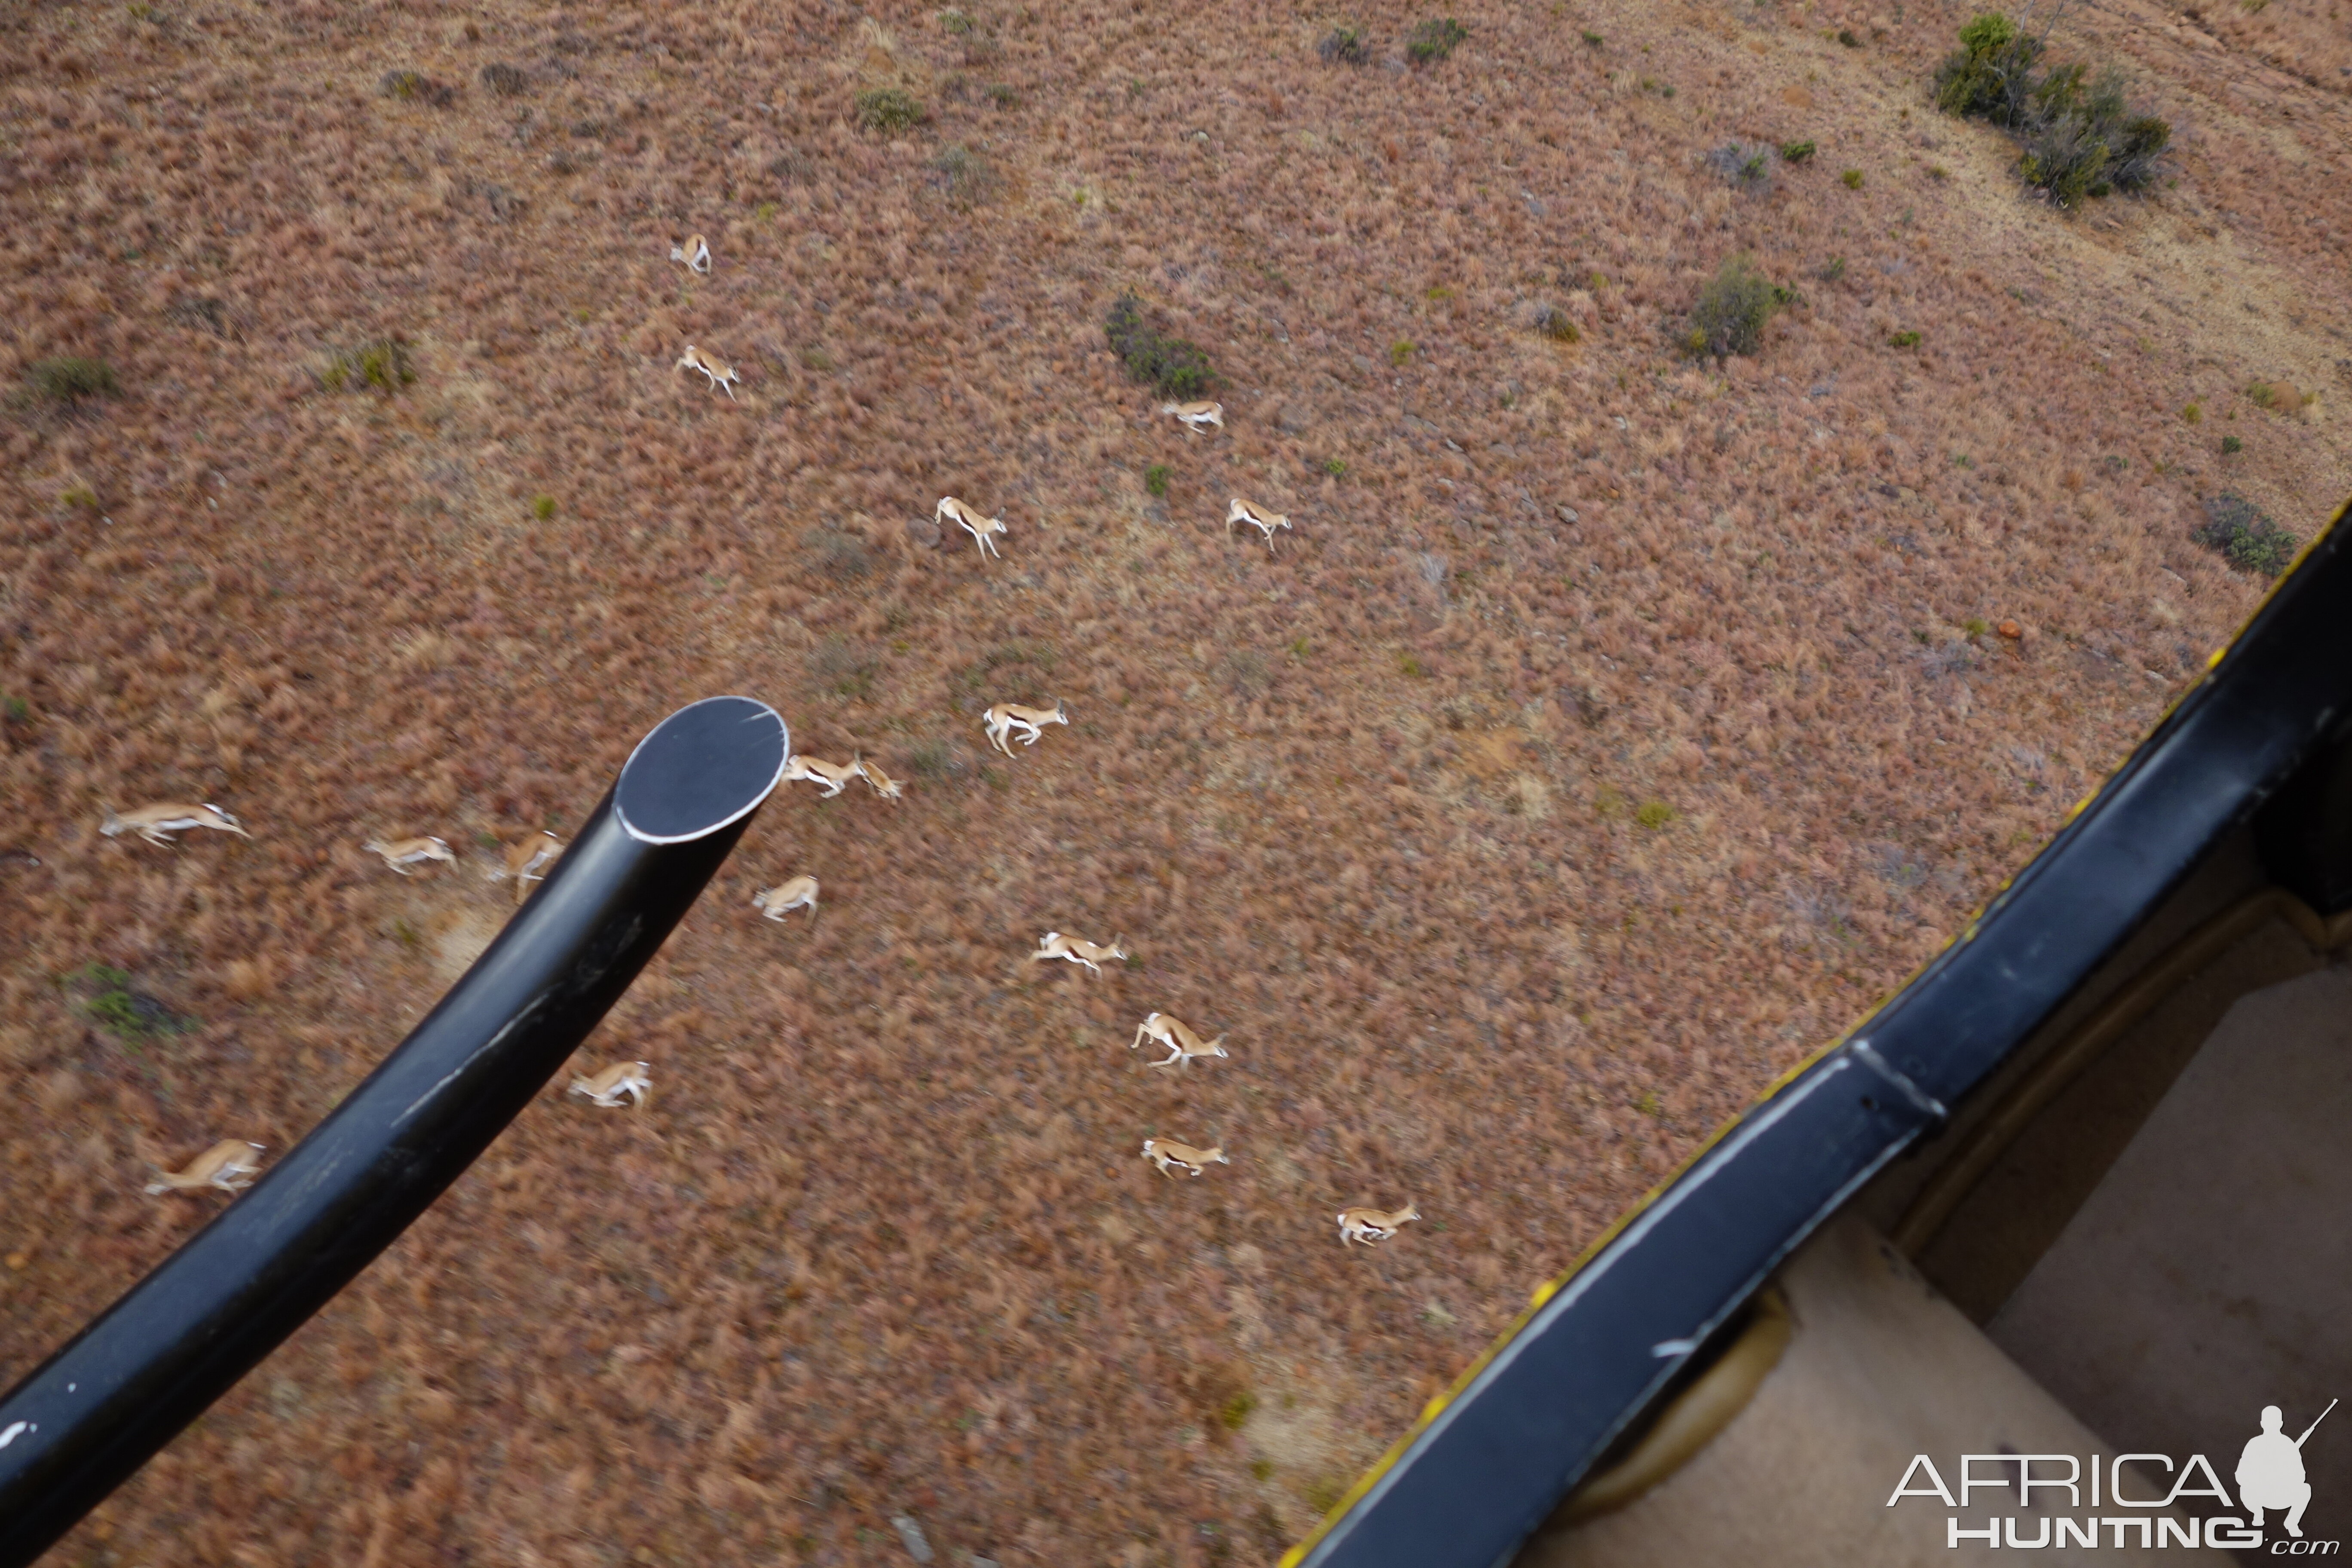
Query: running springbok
(607, 1086)
(695, 253)
(884, 784)
(1197, 416)
(1369, 1225)
(156, 823)
(402, 853)
(720, 374)
(218, 1166)
(1256, 517)
(800, 893)
(999, 720)
(951, 510)
(832, 777)
(1054, 944)
(1183, 1044)
(525, 860)
(1164, 1152)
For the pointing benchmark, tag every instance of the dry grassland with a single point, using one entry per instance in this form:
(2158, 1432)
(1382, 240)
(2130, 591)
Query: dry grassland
(1608, 731)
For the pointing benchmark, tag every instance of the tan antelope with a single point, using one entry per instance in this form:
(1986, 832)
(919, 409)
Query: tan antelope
(951, 510)
(833, 777)
(1182, 1044)
(720, 375)
(1054, 944)
(800, 893)
(219, 1166)
(884, 784)
(1197, 416)
(999, 720)
(402, 853)
(695, 253)
(1164, 1152)
(526, 862)
(1256, 517)
(607, 1086)
(156, 823)
(1369, 1225)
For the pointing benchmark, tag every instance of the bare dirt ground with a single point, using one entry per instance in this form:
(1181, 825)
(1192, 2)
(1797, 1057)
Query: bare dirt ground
(1607, 733)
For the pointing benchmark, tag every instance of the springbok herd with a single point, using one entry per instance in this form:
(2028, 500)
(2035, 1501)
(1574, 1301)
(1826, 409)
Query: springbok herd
(230, 1164)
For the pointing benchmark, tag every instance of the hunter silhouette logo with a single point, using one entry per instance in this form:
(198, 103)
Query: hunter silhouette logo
(2270, 1471)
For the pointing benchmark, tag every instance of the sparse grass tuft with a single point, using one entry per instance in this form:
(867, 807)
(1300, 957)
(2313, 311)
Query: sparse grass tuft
(954, 21)
(1744, 165)
(2193, 412)
(1233, 1412)
(1411, 666)
(383, 365)
(1555, 324)
(1336, 466)
(1593, 40)
(504, 79)
(69, 381)
(543, 508)
(1852, 178)
(2231, 446)
(1155, 478)
(1003, 96)
(1733, 309)
(1654, 815)
(966, 176)
(79, 495)
(931, 760)
(1434, 40)
(1796, 152)
(2262, 394)
(415, 87)
(887, 109)
(2245, 536)
(1903, 340)
(1344, 46)
(844, 669)
(1172, 366)
(1400, 352)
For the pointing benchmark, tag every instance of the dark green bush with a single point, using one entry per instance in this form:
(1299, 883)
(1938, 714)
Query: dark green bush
(1344, 46)
(71, 380)
(1155, 478)
(889, 109)
(2245, 536)
(2081, 136)
(1748, 166)
(1796, 152)
(1732, 310)
(1436, 40)
(1172, 366)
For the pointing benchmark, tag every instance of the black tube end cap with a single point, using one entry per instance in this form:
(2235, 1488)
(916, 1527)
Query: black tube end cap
(705, 766)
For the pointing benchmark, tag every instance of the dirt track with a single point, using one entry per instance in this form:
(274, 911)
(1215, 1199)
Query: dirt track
(1607, 732)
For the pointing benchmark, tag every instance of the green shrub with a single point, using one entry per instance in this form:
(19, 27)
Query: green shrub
(2262, 394)
(1556, 323)
(1400, 351)
(1852, 178)
(1335, 466)
(1732, 308)
(110, 1000)
(2232, 444)
(1344, 46)
(1436, 40)
(2245, 536)
(887, 109)
(1236, 1410)
(66, 381)
(2191, 412)
(1745, 165)
(543, 508)
(1903, 340)
(2081, 137)
(1172, 366)
(1654, 815)
(1796, 152)
(383, 365)
(1593, 39)
(1155, 478)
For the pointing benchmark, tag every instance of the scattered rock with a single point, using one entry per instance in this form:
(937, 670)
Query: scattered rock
(925, 533)
(1293, 419)
(2011, 630)
(912, 1535)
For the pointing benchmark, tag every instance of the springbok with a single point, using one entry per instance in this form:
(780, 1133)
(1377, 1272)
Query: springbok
(1164, 1152)
(156, 823)
(1054, 944)
(1182, 1044)
(1197, 415)
(800, 893)
(218, 1166)
(1369, 1225)
(402, 853)
(833, 777)
(695, 253)
(884, 784)
(720, 374)
(607, 1086)
(951, 510)
(1256, 517)
(525, 861)
(999, 720)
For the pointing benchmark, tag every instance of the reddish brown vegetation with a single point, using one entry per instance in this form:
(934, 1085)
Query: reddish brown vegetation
(1512, 853)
